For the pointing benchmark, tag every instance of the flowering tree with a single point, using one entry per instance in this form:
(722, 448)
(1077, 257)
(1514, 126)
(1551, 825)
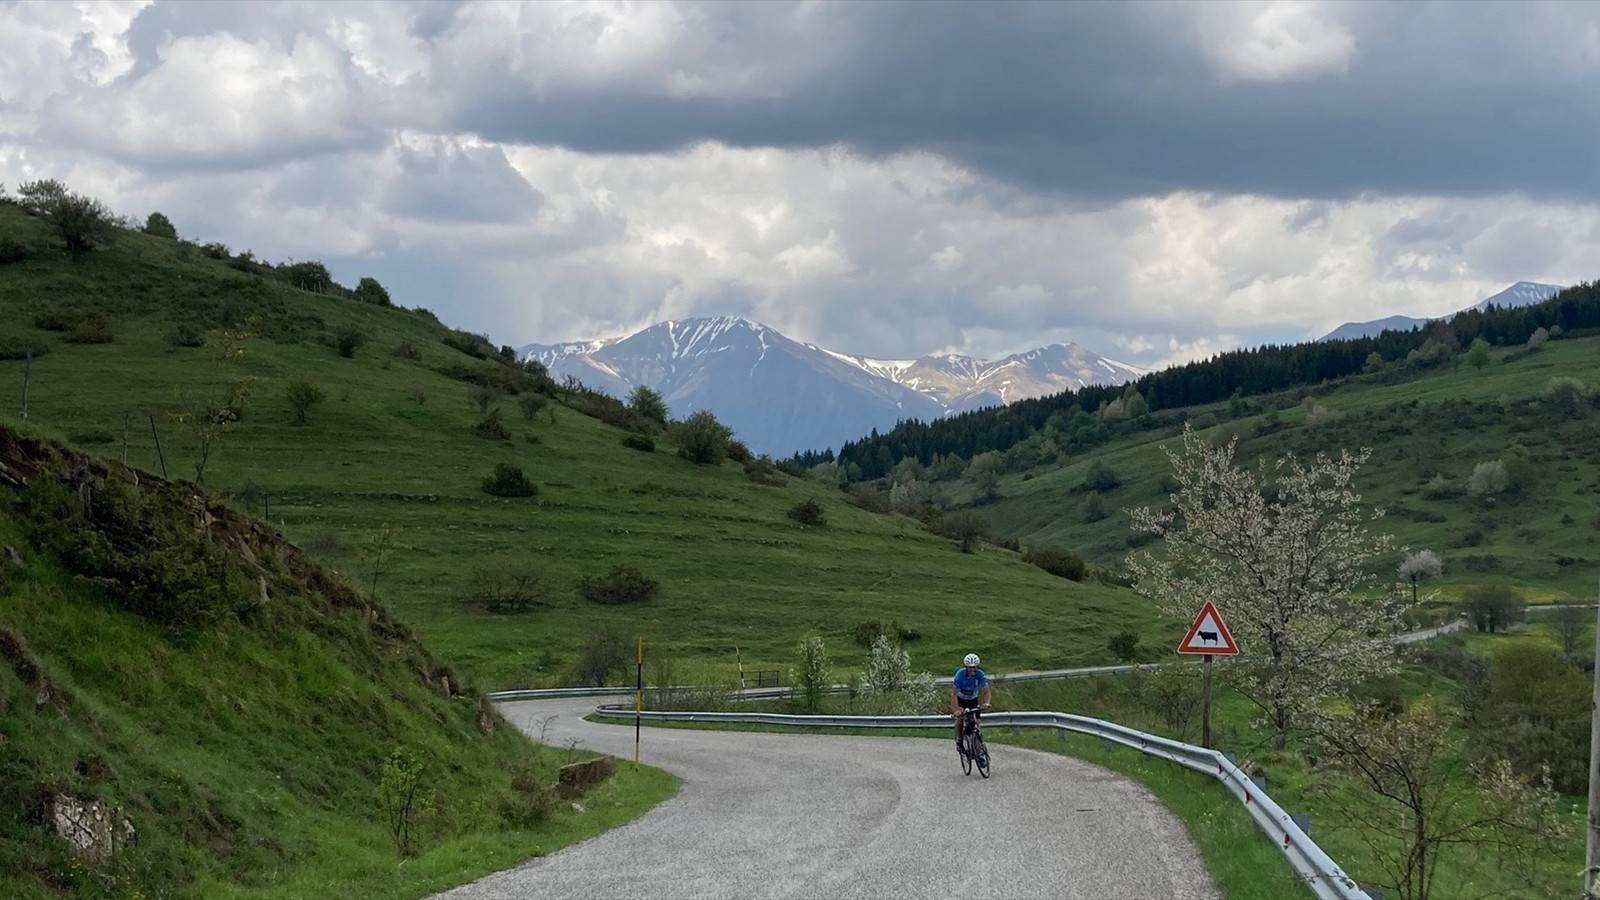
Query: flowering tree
(1424, 808)
(1282, 554)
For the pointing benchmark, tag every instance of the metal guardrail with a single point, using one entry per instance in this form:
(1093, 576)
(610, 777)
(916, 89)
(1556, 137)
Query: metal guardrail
(1313, 866)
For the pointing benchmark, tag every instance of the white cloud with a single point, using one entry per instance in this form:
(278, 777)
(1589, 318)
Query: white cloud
(1276, 41)
(216, 97)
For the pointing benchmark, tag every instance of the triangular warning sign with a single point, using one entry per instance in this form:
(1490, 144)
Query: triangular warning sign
(1208, 634)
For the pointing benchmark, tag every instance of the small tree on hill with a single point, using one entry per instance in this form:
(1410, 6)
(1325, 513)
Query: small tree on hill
(1421, 807)
(160, 226)
(1419, 567)
(1493, 607)
(1282, 554)
(368, 290)
(701, 438)
(1477, 355)
(1569, 623)
(302, 396)
(811, 676)
(648, 404)
(967, 527)
(84, 223)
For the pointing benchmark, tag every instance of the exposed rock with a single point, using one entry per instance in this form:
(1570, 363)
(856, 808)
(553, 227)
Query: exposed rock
(94, 831)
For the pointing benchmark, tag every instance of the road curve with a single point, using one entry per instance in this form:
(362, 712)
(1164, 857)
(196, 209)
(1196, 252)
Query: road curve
(801, 815)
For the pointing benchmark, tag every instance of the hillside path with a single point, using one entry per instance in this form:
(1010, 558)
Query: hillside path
(801, 815)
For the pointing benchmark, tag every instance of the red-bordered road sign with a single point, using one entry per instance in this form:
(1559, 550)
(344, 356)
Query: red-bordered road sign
(1208, 634)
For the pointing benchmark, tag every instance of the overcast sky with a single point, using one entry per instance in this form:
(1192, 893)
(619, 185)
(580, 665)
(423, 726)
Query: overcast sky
(1156, 182)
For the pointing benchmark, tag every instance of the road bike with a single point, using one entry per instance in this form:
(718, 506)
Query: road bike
(974, 751)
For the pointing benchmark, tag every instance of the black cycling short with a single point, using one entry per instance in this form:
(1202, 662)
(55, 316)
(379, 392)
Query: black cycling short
(967, 702)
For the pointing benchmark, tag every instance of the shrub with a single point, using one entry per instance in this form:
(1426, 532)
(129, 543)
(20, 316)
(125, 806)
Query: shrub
(623, 584)
(491, 427)
(702, 439)
(1493, 607)
(1102, 478)
(404, 350)
(349, 340)
(508, 481)
(12, 250)
(185, 334)
(808, 512)
(160, 226)
(1124, 645)
(17, 348)
(368, 290)
(532, 799)
(473, 345)
(400, 789)
(303, 395)
(641, 442)
(1058, 562)
(506, 588)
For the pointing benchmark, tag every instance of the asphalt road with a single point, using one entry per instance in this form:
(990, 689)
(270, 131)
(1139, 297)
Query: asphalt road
(795, 815)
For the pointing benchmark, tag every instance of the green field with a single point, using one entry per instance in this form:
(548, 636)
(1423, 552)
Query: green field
(384, 484)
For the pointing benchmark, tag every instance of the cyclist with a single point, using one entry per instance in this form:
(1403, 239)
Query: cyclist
(968, 683)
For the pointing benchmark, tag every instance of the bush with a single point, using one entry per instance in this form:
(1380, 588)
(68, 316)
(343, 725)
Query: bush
(1124, 645)
(473, 345)
(533, 797)
(1102, 478)
(702, 439)
(303, 395)
(1058, 562)
(17, 348)
(185, 335)
(508, 481)
(404, 350)
(349, 340)
(491, 427)
(623, 584)
(506, 588)
(12, 251)
(808, 512)
(642, 442)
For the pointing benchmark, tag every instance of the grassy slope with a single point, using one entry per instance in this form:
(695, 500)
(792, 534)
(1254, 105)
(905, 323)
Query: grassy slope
(734, 570)
(246, 750)
(1444, 422)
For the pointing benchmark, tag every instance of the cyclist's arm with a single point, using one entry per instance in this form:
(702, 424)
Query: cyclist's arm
(987, 696)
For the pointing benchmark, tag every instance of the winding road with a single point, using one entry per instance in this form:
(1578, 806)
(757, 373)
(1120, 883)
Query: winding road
(801, 815)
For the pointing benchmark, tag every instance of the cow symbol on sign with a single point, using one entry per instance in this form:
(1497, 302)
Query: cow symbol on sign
(1208, 637)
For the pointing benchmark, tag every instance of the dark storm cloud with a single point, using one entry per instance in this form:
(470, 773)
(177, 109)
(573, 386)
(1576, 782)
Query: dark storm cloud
(1108, 99)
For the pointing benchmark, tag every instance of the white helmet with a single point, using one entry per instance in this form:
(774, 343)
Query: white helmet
(971, 659)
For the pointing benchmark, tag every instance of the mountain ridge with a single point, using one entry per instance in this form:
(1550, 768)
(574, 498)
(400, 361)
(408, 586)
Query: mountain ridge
(1522, 293)
(808, 396)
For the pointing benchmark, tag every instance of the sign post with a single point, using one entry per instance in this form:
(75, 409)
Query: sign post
(1209, 637)
(638, 702)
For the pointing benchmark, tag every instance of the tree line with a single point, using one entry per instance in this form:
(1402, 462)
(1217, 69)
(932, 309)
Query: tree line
(1079, 416)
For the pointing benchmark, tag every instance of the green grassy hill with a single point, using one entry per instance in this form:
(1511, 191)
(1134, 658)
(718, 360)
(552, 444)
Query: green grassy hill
(1428, 432)
(179, 665)
(386, 480)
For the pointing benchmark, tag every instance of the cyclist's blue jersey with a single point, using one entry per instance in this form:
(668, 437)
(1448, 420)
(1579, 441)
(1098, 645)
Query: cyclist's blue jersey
(966, 687)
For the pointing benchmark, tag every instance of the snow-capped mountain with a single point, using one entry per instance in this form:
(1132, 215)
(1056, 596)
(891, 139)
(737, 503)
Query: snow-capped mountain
(781, 396)
(962, 383)
(1523, 293)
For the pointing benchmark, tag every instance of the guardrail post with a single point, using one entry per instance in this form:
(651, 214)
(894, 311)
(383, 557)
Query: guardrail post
(1301, 821)
(1260, 781)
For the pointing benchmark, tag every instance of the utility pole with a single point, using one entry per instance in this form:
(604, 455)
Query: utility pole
(1590, 860)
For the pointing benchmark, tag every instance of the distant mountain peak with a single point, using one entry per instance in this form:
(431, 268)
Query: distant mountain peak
(780, 395)
(1523, 293)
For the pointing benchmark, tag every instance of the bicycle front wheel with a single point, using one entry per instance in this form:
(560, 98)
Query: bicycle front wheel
(983, 757)
(965, 752)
